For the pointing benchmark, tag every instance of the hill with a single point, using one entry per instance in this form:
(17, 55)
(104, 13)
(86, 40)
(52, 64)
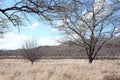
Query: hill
(66, 51)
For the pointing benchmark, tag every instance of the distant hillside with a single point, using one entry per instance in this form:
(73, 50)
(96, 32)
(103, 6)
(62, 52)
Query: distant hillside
(67, 51)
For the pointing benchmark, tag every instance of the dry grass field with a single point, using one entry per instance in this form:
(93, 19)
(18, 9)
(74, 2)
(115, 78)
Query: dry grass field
(61, 69)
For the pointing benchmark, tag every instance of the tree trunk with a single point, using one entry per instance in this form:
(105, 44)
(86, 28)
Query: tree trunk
(32, 62)
(90, 61)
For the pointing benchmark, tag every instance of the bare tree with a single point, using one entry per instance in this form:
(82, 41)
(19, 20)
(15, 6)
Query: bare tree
(89, 23)
(30, 51)
(17, 11)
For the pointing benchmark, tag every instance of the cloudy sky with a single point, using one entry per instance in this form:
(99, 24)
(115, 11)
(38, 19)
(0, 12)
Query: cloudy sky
(44, 33)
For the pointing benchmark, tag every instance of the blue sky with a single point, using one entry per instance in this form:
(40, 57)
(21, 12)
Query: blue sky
(44, 33)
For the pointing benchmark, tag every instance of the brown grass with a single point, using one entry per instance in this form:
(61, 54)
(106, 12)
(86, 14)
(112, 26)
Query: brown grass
(112, 77)
(62, 69)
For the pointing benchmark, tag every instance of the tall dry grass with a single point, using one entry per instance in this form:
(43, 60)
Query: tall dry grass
(62, 69)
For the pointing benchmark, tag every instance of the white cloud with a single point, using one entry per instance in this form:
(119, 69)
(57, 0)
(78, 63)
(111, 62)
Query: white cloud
(98, 5)
(14, 41)
(117, 29)
(54, 29)
(60, 23)
(34, 25)
(48, 41)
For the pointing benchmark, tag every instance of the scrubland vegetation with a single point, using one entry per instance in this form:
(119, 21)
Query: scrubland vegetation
(90, 30)
(62, 69)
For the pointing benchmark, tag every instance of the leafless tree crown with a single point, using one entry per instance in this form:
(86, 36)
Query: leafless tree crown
(89, 23)
(30, 50)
